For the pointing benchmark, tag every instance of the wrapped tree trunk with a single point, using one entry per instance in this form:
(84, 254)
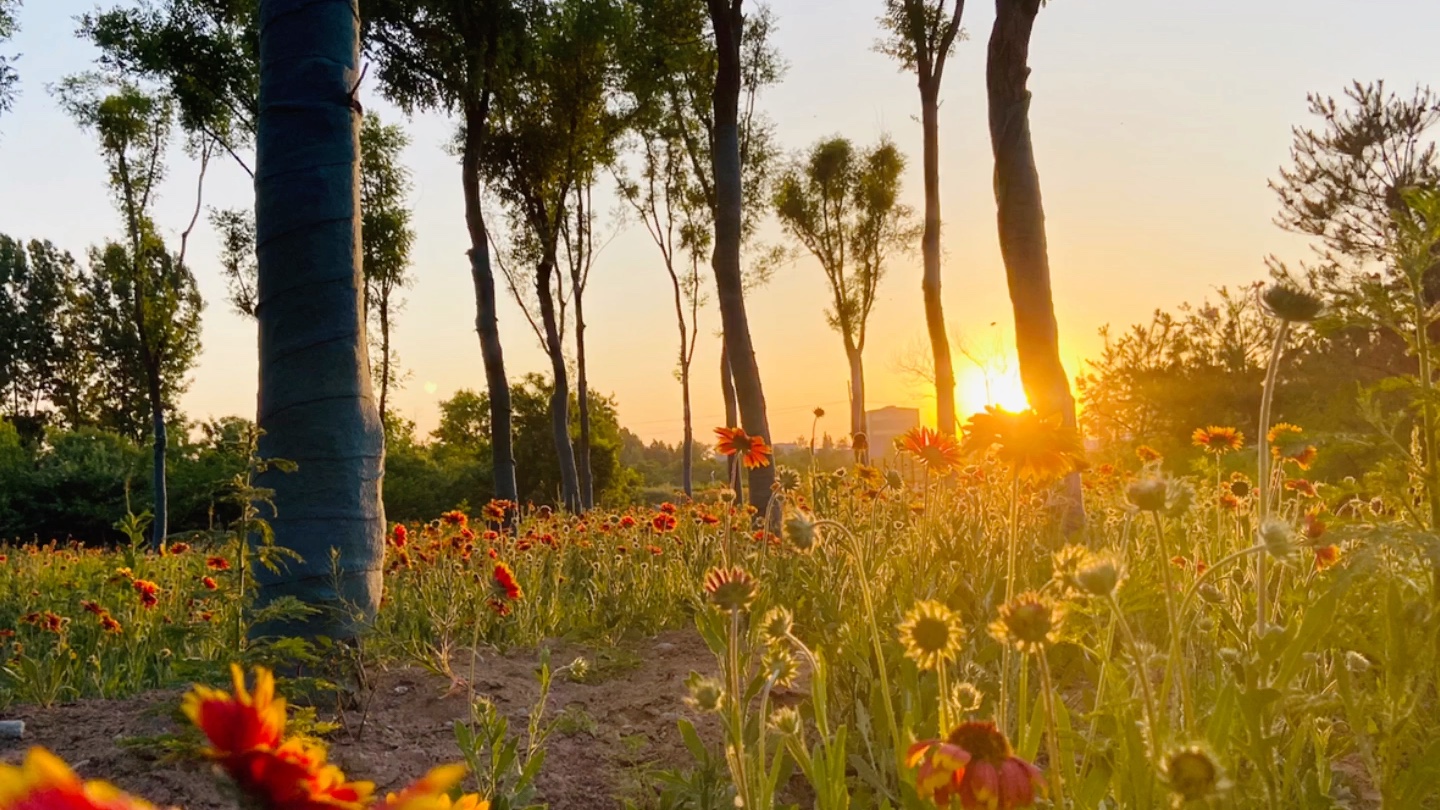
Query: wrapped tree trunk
(316, 406)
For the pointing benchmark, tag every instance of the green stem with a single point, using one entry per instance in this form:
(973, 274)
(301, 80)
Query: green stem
(1140, 673)
(1267, 398)
(1013, 541)
(1176, 664)
(737, 716)
(1052, 732)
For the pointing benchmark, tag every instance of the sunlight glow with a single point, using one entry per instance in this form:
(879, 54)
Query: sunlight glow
(994, 386)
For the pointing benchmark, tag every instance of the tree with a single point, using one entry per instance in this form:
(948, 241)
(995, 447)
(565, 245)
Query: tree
(39, 337)
(550, 129)
(922, 37)
(1020, 214)
(204, 53)
(727, 20)
(8, 77)
(142, 300)
(464, 433)
(1346, 177)
(454, 55)
(668, 203)
(316, 408)
(669, 66)
(386, 240)
(577, 236)
(843, 207)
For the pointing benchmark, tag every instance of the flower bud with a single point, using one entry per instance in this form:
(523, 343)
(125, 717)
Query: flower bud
(1291, 303)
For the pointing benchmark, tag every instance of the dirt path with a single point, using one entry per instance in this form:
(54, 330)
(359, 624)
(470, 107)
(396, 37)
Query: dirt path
(620, 721)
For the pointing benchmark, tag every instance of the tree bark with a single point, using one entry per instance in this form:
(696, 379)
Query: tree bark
(732, 411)
(930, 248)
(560, 396)
(160, 527)
(854, 357)
(728, 22)
(582, 395)
(487, 323)
(316, 407)
(1020, 217)
(384, 355)
(687, 452)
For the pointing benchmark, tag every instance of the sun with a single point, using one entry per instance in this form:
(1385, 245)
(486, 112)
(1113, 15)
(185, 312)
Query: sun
(994, 386)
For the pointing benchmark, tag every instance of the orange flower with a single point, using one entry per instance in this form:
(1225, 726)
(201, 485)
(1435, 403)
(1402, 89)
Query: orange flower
(295, 776)
(1303, 457)
(217, 563)
(209, 583)
(431, 792)
(1218, 440)
(503, 582)
(663, 522)
(976, 765)
(1282, 432)
(1326, 556)
(238, 723)
(44, 782)
(1034, 447)
(400, 536)
(752, 450)
(178, 548)
(110, 625)
(1147, 454)
(938, 452)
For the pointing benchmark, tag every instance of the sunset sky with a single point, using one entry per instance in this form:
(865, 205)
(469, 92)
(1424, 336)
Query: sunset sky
(1156, 125)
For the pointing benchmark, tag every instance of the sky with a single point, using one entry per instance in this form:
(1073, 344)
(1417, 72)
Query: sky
(1156, 125)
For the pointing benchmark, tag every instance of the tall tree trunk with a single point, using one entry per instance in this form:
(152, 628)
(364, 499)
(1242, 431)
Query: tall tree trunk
(1021, 220)
(582, 395)
(729, 23)
(854, 357)
(384, 356)
(930, 248)
(732, 411)
(687, 451)
(316, 406)
(560, 396)
(160, 527)
(487, 323)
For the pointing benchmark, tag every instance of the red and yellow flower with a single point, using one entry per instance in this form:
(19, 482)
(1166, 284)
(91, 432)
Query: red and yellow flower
(1217, 439)
(44, 782)
(752, 450)
(976, 765)
(937, 452)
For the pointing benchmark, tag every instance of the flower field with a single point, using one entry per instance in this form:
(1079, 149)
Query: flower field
(917, 636)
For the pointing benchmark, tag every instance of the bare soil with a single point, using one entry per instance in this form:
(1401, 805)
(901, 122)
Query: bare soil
(618, 722)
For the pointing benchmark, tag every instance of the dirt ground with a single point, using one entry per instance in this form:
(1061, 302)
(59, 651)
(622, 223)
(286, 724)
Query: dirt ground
(619, 721)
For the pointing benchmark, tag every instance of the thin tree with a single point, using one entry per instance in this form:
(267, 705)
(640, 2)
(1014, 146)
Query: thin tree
(577, 237)
(843, 207)
(386, 239)
(1020, 215)
(142, 300)
(316, 405)
(551, 129)
(923, 34)
(667, 202)
(453, 56)
(727, 20)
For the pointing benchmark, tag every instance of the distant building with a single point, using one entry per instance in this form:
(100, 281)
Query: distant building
(886, 424)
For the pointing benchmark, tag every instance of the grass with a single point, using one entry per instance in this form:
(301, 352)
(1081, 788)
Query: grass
(1329, 705)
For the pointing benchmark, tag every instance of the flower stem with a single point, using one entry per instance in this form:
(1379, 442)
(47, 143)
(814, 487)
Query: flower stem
(1262, 606)
(1052, 733)
(1013, 541)
(1140, 670)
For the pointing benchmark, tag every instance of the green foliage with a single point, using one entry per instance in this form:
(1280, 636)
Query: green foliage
(8, 77)
(843, 207)
(386, 238)
(205, 53)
